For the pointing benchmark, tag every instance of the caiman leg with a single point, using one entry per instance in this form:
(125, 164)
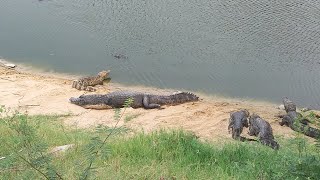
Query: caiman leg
(285, 120)
(305, 121)
(147, 105)
(230, 126)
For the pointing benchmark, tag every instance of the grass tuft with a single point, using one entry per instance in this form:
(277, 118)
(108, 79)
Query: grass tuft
(173, 154)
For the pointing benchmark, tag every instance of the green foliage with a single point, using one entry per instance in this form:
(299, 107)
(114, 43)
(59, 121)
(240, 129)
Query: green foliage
(300, 144)
(28, 146)
(307, 167)
(313, 119)
(2, 108)
(117, 114)
(175, 154)
(26, 142)
(311, 116)
(317, 144)
(97, 148)
(316, 121)
(120, 130)
(181, 155)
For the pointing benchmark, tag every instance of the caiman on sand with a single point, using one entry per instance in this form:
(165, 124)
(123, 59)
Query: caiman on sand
(262, 129)
(295, 121)
(87, 83)
(237, 121)
(139, 100)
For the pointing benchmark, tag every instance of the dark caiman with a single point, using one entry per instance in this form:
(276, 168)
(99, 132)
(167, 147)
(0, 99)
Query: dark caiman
(262, 129)
(139, 100)
(296, 122)
(237, 121)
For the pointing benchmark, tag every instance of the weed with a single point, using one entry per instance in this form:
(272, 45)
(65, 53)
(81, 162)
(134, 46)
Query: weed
(130, 117)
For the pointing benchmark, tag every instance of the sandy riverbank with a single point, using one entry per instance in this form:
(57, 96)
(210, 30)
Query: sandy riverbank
(48, 93)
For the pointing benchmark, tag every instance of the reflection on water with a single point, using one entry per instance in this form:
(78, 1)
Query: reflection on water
(256, 48)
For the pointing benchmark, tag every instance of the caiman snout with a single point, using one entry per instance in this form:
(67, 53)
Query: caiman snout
(89, 102)
(76, 101)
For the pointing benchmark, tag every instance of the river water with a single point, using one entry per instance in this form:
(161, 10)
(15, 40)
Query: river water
(261, 49)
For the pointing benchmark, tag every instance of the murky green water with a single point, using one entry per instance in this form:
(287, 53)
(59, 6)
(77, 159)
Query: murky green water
(256, 48)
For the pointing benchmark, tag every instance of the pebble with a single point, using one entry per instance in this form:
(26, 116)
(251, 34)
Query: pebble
(10, 65)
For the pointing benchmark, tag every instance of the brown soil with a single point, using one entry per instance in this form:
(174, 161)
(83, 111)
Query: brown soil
(37, 93)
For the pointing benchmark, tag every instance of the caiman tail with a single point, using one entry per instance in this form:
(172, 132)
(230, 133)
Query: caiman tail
(271, 143)
(174, 99)
(307, 130)
(236, 133)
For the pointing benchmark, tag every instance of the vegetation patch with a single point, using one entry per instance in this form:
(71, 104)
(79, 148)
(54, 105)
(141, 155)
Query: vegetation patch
(176, 154)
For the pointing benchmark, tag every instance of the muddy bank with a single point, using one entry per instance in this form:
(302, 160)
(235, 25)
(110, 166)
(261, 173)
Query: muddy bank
(48, 93)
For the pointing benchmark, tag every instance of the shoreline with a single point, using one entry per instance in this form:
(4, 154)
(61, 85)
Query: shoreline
(37, 92)
(22, 68)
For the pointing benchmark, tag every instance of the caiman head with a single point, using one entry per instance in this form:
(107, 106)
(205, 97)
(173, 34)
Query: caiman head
(104, 74)
(289, 105)
(253, 117)
(246, 112)
(94, 101)
(245, 119)
(253, 129)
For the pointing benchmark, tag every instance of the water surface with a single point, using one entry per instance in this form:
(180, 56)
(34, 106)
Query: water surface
(256, 48)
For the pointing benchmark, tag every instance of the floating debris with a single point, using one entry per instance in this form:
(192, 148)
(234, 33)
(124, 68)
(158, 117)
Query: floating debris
(120, 56)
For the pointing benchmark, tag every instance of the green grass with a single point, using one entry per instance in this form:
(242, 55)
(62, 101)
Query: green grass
(174, 154)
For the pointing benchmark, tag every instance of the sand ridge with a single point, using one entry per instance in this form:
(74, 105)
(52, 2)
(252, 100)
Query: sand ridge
(37, 93)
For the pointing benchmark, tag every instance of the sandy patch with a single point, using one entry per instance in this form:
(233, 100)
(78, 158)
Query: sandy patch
(48, 94)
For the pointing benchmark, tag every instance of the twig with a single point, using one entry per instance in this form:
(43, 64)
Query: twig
(59, 176)
(29, 163)
(102, 144)
(104, 141)
(6, 79)
(27, 145)
(12, 169)
(29, 105)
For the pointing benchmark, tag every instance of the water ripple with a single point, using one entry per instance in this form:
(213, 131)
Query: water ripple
(235, 47)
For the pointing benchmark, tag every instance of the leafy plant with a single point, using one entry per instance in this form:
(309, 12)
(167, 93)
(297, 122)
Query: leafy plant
(29, 147)
(98, 147)
(130, 117)
(310, 118)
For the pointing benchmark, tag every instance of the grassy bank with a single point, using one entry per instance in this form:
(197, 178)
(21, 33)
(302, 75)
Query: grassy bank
(26, 140)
